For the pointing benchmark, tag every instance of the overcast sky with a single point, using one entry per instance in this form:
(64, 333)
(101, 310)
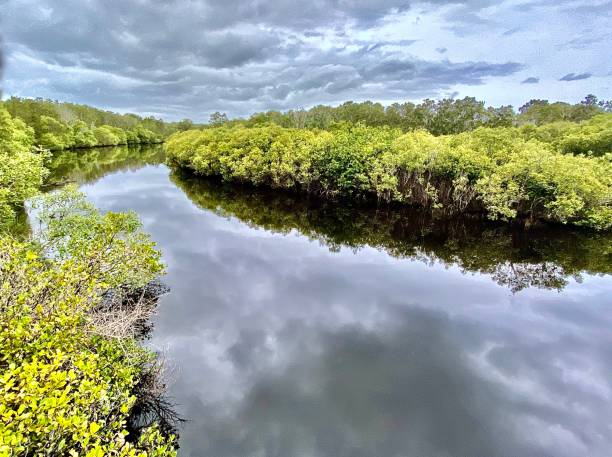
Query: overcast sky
(188, 58)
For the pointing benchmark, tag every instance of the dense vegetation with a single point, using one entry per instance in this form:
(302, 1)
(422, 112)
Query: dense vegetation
(442, 117)
(59, 126)
(528, 173)
(74, 379)
(515, 259)
(21, 166)
(72, 375)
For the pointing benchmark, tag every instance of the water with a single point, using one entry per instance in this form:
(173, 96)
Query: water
(296, 328)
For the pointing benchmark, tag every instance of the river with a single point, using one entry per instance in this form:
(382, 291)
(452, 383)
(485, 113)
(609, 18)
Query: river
(301, 328)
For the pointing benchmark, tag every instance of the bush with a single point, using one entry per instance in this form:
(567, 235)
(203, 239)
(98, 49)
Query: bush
(488, 169)
(593, 136)
(144, 136)
(53, 134)
(66, 388)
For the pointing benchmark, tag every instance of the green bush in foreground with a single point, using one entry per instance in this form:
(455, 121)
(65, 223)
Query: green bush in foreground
(68, 369)
(495, 170)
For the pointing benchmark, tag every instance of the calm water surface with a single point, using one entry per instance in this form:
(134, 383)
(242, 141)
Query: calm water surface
(296, 328)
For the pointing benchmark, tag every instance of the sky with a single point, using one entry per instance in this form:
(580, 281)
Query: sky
(188, 58)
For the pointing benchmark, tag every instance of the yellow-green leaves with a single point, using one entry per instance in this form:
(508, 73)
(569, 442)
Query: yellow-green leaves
(63, 388)
(505, 172)
(115, 250)
(593, 136)
(21, 168)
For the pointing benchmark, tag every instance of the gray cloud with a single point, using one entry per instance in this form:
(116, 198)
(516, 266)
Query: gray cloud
(575, 77)
(585, 40)
(188, 58)
(531, 80)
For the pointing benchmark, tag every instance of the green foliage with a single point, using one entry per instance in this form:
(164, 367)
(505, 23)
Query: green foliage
(343, 161)
(74, 229)
(541, 112)
(83, 136)
(488, 169)
(106, 136)
(438, 117)
(21, 168)
(441, 117)
(543, 184)
(58, 126)
(53, 135)
(64, 388)
(593, 136)
(30, 110)
(144, 136)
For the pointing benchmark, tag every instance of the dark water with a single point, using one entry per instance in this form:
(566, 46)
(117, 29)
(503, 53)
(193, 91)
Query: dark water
(296, 328)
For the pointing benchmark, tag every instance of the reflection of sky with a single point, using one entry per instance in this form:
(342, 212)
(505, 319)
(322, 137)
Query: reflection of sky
(279, 347)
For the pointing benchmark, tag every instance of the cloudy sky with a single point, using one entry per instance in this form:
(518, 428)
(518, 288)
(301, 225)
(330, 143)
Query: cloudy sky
(188, 58)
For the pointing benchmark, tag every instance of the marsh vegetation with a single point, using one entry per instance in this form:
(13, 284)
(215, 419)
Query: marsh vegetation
(437, 196)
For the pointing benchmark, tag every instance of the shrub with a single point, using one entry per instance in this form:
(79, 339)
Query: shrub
(66, 386)
(593, 136)
(496, 170)
(63, 389)
(53, 134)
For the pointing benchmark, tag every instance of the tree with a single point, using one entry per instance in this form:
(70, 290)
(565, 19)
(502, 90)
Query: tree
(184, 124)
(105, 136)
(83, 136)
(503, 116)
(605, 105)
(531, 103)
(21, 168)
(450, 116)
(53, 134)
(35, 111)
(217, 119)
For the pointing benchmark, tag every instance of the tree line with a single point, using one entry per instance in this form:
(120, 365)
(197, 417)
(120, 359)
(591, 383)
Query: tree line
(439, 117)
(59, 125)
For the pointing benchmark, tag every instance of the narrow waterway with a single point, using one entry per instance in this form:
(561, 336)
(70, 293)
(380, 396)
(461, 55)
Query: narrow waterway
(296, 328)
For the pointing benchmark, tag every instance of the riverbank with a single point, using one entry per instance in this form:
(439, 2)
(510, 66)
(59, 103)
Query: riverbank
(506, 173)
(77, 297)
(74, 378)
(509, 256)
